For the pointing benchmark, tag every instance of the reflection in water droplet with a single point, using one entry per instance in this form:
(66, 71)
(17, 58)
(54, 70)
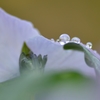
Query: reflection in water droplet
(89, 45)
(57, 40)
(75, 39)
(62, 43)
(64, 37)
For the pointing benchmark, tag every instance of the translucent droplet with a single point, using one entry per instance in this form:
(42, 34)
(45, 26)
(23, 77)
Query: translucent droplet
(89, 45)
(57, 40)
(64, 37)
(76, 40)
(52, 40)
(62, 43)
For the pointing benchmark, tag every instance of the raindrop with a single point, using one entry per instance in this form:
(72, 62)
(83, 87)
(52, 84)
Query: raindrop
(57, 40)
(75, 39)
(64, 37)
(89, 45)
(62, 43)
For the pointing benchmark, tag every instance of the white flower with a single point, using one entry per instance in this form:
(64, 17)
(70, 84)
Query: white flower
(13, 32)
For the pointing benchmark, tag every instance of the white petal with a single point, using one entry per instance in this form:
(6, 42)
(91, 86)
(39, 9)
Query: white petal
(13, 32)
(59, 59)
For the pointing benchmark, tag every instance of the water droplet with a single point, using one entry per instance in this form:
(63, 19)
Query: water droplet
(57, 40)
(64, 37)
(52, 40)
(75, 39)
(89, 45)
(62, 43)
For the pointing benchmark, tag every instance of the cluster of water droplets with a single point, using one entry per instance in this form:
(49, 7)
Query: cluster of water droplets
(65, 38)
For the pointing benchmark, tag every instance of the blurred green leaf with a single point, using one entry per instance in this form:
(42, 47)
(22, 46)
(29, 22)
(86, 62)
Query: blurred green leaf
(30, 86)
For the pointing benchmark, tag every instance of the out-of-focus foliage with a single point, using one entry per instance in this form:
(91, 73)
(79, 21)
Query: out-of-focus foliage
(49, 86)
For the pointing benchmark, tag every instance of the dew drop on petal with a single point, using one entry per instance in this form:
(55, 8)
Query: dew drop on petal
(89, 45)
(64, 37)
(57, 40)
(76, 40)
(62, 43)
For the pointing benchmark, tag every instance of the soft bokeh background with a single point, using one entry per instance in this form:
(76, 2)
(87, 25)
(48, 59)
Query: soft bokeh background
(79, 18)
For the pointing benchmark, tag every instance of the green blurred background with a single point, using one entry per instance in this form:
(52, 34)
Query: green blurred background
(79, 18)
